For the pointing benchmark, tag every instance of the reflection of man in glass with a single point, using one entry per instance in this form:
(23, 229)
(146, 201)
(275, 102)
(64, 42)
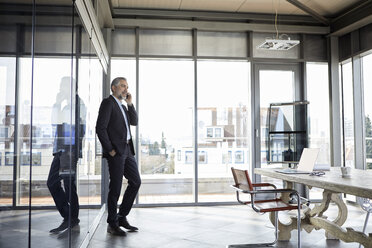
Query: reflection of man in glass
(113, 130)
(66, 151)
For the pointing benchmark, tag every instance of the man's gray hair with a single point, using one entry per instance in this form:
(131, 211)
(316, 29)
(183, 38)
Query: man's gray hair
(117, 80)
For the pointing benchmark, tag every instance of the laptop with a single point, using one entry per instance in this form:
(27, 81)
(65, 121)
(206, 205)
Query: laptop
(306, 164)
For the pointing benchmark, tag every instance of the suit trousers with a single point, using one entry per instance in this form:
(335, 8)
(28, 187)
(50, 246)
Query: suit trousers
(119, 166)
(61, 195)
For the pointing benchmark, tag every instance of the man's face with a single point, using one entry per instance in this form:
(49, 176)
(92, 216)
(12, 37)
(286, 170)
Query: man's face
(121, 90)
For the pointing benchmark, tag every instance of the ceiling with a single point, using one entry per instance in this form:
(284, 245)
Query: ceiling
(325, 8)
(328, 8)
(340, 15)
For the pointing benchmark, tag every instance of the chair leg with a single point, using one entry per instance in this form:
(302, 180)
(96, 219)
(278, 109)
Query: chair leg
(276, 227)
(261, 244)
(299, 226)
(365, 225)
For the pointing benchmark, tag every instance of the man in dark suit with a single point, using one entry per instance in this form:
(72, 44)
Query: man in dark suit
(113, 131)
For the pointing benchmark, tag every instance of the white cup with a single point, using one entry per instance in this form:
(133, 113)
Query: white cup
(346, 172)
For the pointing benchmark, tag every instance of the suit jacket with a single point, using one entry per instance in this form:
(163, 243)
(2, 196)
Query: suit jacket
(110, 127)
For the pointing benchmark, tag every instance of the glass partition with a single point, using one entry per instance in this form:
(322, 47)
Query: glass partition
(14, 177)
(126, 68)
(7, 128)
(90, 97)
(49, 172)
(223, 127)
(348, 113)
(367, 89)
(318, 110)
(275, 84)
(287, 134)
(166, 93)
(318, 116)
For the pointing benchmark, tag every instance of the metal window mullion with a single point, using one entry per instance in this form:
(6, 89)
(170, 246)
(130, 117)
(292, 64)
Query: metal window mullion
(105, 93)
(342, 117)
(31, 116)
(335, 103)
(196, 175)
(16, 168)
(252, 120)
(359, 136)
(137, 31)
(15, 198)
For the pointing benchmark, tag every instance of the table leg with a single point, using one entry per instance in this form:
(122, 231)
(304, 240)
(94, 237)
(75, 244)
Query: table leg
(319, 210)
(315, 219)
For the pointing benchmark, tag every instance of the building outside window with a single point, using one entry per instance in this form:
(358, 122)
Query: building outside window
(367, 89)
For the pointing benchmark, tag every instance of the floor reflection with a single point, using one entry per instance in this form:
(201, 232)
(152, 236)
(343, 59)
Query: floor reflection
(14, 228)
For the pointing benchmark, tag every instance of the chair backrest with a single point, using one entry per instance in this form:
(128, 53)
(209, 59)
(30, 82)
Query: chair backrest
(242, 180)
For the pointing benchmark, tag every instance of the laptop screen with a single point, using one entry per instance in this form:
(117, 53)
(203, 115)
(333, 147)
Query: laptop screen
(307, 160)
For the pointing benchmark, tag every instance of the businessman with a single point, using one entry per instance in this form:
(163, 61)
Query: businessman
(113, 131)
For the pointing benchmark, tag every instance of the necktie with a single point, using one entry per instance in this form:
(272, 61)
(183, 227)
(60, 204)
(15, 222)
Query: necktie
(127, 119)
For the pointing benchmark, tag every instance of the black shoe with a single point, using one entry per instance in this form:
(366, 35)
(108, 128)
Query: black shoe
(61, 228)
(74, 222)
(124, 223)
(64, 226)
(115, 230)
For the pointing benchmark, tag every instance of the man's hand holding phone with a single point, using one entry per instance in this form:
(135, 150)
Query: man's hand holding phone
(128, 98)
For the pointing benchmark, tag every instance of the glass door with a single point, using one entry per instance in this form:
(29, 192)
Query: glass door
(273, 84)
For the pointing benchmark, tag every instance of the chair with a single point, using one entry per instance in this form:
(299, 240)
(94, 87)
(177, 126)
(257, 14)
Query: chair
(366, 205)
(243, 184)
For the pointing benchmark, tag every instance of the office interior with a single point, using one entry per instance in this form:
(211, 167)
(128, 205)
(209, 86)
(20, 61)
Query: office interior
(204, 76)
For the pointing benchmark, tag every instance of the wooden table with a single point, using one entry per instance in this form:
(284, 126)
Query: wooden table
(360, 184)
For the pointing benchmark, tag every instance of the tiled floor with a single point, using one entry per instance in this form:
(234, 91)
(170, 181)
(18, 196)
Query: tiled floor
(207, 227)
(171, 227)
(14, 228)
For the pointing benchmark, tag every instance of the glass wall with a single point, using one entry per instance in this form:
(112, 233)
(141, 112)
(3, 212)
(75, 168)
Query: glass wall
(50, 172)
(317, 93)
(51, 79)
(7, 127)
(348, 113)
(126, 68)
(223, 127)
(90, 97)
(166, 93)
(174, 170)
(166, 127)
(367, 89)
(275, 86)
(318, 110)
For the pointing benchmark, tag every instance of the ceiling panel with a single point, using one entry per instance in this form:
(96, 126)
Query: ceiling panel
(146, 4)
(212, 5)
(330, 7)
(269, 6)
(44, 2)
(326, 8)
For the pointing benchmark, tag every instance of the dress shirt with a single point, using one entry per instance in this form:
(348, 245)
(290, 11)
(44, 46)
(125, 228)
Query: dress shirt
(125, 117)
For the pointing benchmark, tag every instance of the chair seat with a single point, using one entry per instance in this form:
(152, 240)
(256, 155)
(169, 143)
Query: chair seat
(273, 205)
